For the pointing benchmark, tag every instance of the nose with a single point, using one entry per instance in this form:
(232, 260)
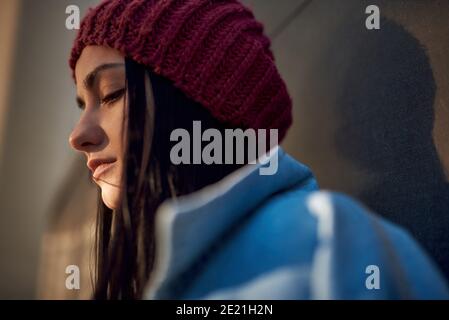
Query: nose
(87, 134)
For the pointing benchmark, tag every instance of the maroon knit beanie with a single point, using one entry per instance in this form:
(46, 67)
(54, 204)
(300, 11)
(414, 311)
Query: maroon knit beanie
(214, 51)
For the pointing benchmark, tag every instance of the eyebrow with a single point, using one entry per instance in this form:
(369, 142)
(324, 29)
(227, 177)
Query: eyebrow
(89, 80)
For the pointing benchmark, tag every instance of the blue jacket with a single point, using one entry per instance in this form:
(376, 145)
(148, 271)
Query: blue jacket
(252, 236)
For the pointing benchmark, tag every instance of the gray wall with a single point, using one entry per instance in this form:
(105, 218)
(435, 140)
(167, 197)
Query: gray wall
(36, 154)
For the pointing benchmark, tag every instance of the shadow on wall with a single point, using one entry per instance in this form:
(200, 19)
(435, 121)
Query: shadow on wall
(386, 111)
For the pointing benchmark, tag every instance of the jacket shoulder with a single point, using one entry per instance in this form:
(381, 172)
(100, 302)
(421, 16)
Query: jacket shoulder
(317, 244)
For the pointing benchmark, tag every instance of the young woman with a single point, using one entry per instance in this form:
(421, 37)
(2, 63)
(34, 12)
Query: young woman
(148, 75)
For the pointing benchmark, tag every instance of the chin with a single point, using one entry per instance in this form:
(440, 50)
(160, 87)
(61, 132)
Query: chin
(110, 196)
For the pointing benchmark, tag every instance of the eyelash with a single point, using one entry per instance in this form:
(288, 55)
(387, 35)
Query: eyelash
(108, 99)
(114, 96)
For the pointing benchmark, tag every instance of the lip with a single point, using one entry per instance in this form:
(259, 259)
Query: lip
(99, 166)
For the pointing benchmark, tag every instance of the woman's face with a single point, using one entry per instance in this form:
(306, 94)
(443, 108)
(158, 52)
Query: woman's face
(99, 133)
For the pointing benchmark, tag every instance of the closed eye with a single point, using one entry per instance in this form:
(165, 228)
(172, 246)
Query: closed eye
(114, 96)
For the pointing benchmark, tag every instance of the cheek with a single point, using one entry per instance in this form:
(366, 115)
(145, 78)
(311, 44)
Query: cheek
(114, 124)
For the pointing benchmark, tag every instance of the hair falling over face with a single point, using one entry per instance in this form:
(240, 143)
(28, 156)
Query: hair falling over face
(125, 242)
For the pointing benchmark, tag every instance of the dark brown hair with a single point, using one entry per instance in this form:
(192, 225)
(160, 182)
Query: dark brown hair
(125, 242)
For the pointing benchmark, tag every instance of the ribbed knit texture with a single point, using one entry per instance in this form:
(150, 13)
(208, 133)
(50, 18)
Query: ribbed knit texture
(214, 51)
